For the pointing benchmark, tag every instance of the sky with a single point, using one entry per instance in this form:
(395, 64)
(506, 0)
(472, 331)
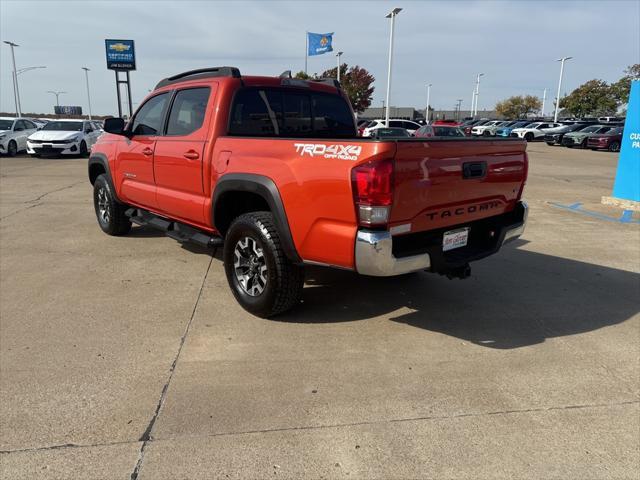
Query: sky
(445, 43)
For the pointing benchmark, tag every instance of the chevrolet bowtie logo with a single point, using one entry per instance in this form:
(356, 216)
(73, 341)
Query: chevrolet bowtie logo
(119, 47)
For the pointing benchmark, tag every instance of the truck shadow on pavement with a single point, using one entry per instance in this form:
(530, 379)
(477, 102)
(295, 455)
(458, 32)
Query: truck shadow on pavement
(514, 299)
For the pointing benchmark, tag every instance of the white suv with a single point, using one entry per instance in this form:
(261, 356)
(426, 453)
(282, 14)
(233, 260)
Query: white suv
(489, 128)
(14, 133)
(533, 131)
(408, 125)
(64, 137)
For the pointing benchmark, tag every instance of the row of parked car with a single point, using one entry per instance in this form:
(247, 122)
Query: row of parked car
(597, 134)
(36, 137)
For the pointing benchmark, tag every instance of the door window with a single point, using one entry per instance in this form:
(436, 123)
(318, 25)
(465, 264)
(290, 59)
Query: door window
(188, 110)
(148, 120)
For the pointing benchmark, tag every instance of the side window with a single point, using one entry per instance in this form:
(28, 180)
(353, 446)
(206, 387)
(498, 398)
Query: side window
(188, 111)
(19, 126)
(148, 120)
(87, 127)
(29, 125)
(395, 124)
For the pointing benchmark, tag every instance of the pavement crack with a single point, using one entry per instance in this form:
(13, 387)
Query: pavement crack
(36, 202)
(147, 435)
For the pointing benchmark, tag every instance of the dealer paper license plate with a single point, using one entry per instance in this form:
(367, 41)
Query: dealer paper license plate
(455, 239)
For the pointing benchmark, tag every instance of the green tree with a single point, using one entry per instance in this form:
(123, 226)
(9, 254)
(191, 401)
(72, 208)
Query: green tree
(593, 98)
(303, 75)
(356, 82)
(622, 87)
(518, 106)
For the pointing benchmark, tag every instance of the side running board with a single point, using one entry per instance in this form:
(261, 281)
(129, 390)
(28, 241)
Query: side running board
(176, 230)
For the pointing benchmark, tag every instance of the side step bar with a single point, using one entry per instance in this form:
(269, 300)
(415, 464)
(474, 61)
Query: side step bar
(176, 230)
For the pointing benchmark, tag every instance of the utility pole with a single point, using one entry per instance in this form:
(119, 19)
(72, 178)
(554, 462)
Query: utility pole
(426, 112)
(16, 90)
(392, 16)
(86, 74)
(561, 60)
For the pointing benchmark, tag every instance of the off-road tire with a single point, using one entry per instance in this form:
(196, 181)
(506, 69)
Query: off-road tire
(12, 148)
(285, 280)
(115, 222)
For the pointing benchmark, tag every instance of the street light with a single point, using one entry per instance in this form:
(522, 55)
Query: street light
(392, 16)
(426, 112)
(26, 69)
(16, 91)
(475, 110)
(544, 99)
(338, 57)
(86, 74)
(561, 60)
(57, 94)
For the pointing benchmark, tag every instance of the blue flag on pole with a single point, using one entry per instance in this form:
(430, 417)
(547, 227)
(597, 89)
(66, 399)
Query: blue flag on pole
(319, 43)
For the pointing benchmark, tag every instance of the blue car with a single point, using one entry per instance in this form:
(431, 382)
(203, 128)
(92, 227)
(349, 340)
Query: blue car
(506, 131)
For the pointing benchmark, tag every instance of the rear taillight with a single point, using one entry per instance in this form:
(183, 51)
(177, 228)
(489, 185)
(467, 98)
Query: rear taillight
(372, 184)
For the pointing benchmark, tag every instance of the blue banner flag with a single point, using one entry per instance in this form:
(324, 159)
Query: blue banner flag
(627, 184)
(319, 43)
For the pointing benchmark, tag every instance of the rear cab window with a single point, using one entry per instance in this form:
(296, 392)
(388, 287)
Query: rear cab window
(188, 111)
(277, 112)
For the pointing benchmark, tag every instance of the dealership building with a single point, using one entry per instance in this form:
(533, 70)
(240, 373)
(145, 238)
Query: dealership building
(411, 113)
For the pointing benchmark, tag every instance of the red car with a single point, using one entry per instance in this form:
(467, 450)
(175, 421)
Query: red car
(451, 123)
(610, 140)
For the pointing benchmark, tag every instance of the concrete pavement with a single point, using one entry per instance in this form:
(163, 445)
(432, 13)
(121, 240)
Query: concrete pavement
(129, 358)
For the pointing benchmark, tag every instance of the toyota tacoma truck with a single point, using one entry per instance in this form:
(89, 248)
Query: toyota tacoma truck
(271, 169)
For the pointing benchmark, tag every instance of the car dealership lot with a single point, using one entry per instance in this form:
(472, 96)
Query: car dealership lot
(129, 355)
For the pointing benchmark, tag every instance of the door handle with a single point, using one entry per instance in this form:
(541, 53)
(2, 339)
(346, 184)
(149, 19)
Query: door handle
(191, 155)
(147, 151)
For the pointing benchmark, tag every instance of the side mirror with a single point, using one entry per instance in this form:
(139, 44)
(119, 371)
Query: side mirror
(114, 125)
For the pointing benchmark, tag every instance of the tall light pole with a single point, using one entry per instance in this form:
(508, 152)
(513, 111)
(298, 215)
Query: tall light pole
(16, 90)
(426, 110)
(86, 75)
(459, 104)
(338, 55)
(544, 99)
(473, 101)
(561, 60)
(57, 94)
(475, 110)
(392, 16)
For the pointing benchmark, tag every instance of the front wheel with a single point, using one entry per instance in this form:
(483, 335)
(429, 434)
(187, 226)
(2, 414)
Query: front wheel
(614, 147)
(529, 137)
(263, 280)
(83, 149)
(110, 214)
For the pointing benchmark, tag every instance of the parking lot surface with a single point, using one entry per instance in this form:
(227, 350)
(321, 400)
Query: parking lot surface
(129, 358)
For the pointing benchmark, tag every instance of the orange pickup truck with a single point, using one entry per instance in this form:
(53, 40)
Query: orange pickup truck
(272, 170)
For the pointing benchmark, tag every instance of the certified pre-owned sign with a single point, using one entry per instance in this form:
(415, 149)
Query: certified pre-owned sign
(120, 54)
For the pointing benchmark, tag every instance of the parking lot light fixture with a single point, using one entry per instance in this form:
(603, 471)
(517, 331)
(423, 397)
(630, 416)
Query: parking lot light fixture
(561, 60)
(27, 69)
(475, 109)
(426, 110)
(86, 75)
(57, 94)
(338, 55)
(16, 90)
(392, 16)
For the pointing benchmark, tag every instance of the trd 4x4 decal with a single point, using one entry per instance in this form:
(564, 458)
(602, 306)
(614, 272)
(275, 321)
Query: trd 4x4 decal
(341, 152)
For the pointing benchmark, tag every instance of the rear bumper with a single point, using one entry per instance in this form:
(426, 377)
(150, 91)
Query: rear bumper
(379, 255)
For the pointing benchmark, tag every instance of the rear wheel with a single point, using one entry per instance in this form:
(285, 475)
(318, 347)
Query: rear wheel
(109, 212)
(263, 280)
(12, 148)
(614, 147)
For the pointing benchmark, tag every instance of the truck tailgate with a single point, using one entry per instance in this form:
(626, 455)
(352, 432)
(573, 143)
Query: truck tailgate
(439, 183)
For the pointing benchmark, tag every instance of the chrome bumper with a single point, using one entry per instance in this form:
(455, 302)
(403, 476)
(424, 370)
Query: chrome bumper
(374, 250)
